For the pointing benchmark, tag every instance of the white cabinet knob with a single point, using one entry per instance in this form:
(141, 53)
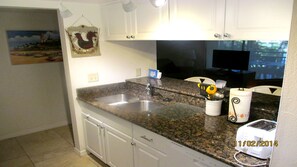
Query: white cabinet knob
(216, 35)
(226, 35)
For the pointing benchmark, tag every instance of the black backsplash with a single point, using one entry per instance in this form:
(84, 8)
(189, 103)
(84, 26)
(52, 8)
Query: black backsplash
(184, 59)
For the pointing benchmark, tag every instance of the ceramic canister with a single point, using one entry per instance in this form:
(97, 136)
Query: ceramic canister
(213, 107)
(239, 104)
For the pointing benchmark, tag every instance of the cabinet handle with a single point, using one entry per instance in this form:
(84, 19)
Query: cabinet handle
(101, 127)
(133, 144)
(128, 37)
(216, 35)
(226, 35)
(132, 36)
(147, 139)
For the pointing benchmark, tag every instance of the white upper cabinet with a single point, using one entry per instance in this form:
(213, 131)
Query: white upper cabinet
(116, 22)
(231, 19)
(142, 23)
(258, 19)
(196, 19)
(200, 20)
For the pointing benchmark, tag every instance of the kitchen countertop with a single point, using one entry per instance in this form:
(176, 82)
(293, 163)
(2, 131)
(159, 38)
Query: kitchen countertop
(262, 105)
(183, 123)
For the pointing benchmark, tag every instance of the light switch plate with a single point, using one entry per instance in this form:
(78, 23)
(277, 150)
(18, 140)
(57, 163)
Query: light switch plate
(93, 77)
(138, 72)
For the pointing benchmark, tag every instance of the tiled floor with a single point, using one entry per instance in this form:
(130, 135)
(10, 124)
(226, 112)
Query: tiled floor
(51, 148)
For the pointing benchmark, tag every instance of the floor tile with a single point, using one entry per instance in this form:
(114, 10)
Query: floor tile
(10, 149)
(83, 161)
(23, 161)
(96, 160)
(66, 133)
(51, 148)
(39, 146)
(69, 159)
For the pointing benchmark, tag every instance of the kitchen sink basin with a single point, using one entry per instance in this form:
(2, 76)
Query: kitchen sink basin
(142, 105)
(118, 99)
(129, 102)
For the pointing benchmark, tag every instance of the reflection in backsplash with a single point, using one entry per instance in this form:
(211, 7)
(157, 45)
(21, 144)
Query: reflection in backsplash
(183, 59)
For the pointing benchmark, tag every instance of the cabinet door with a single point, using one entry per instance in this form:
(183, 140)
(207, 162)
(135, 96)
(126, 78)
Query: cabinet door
(119, 151)
(183, 156)
(116, 22)
(145, 156)
(94, 138)
(148, 21)
(197, 19)
(258, 19)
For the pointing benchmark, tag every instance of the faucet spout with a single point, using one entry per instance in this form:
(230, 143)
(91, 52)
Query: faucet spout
(149, 89)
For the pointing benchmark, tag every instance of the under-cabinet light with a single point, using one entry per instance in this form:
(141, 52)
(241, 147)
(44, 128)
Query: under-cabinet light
(64, 11)
(128, 5)
(158, 3)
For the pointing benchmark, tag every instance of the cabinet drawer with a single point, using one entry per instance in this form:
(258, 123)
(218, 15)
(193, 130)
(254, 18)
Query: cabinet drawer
(92, 119)
(151, 139)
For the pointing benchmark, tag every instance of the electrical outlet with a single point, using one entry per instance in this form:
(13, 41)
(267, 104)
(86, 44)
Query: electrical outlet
(93, 77)
(138, 72)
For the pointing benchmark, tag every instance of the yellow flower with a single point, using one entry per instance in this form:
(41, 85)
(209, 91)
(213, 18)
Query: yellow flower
(211, 89)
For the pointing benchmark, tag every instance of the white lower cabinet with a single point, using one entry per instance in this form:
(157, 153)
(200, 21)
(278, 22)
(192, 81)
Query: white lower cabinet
(183, 156)
(145, 156)
(94, 137)
(119, 152)
(120, 143)
(107, 143)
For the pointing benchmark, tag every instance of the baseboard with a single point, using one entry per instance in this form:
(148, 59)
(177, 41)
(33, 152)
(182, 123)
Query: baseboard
(33, 130)
(80, 152)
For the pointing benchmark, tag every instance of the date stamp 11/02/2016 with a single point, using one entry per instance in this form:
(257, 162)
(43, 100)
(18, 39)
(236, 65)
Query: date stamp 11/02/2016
(255, 143)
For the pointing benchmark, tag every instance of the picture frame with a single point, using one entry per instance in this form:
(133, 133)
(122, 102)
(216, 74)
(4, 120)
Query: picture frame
(34, 46)
(84, 40)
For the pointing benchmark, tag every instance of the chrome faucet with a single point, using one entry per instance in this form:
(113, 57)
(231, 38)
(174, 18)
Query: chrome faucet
(149, 89)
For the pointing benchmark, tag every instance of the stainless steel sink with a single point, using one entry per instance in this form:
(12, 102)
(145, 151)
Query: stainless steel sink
(118, 99)
(142, 105)
(129, 102)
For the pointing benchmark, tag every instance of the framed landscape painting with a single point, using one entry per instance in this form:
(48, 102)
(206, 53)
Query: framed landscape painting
(30, 47)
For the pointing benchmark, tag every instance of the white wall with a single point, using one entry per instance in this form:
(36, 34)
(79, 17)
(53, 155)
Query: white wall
(117, 62)
(285, 153)
(32, 96)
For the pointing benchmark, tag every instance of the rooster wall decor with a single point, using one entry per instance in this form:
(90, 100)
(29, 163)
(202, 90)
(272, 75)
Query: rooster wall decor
(84, 40)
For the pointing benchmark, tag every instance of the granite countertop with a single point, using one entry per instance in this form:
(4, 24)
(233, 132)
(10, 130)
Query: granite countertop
(262, 105)
(182, 123)
(170, 84)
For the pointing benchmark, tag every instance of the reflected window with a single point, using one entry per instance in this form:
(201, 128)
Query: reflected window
(267, 58)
